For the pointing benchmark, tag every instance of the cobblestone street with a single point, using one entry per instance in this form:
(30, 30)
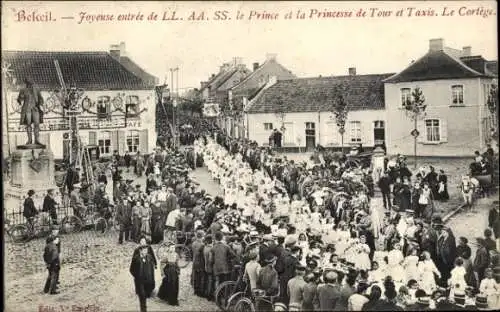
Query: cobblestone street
(94, 271)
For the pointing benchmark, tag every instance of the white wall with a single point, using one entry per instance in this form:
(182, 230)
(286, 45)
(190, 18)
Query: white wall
(460, 124)
(144, 122)
(325, 126)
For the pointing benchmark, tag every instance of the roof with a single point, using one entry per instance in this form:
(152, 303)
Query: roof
(138, 71)
(479, 64)
(252, 74)
(318, 94)
(86, 70)
(433, 66)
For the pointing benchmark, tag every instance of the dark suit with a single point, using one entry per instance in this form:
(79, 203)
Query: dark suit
(222, 256)
(446, 254)
(286, 272)
(51, 258)
(494, 221)
(50, 206)
(143, 270)
(328, 295)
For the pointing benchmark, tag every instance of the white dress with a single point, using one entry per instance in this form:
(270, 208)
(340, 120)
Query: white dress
(411, 268)
(427, 269)
(491, 289)
(363, 257)
(377, 218)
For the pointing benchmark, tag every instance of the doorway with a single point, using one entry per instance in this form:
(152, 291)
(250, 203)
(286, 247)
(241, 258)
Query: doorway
(310, 136)
(378, 133)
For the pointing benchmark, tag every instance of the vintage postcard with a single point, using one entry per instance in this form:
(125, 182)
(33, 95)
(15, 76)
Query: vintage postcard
(250, 156)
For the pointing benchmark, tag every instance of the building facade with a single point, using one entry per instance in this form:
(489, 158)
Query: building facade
(456, 87)
(118, 106)
(302, 109)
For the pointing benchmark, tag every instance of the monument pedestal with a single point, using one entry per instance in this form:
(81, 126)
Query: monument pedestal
(32, 168)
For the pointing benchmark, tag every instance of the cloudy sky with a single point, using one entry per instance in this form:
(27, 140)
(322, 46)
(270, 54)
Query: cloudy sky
(309, 47)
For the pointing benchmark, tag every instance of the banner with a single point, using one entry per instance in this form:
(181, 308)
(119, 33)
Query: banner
(211, 110)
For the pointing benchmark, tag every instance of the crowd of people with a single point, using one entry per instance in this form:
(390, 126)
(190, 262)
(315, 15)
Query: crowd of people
(307, 234)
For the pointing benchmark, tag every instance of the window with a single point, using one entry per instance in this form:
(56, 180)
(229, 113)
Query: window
(103, 107)
(104, 142)
(379, 132)
(378, 124)
(268, 126)
(457, 94)
(432, 130)
(405, 96)
(132, 106)
(355, 127)
(310, 126)
(133, 141)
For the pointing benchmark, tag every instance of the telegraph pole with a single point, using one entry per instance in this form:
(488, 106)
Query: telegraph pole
(174, 105)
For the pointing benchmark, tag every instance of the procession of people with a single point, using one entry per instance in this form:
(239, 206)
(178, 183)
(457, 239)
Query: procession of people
(308, 234)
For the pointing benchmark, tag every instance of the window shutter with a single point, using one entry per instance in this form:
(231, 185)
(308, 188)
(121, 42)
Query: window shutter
(422, 137)
(143, 141)
(443, 129)
(121, 142)
(114, 141)
(92, 138)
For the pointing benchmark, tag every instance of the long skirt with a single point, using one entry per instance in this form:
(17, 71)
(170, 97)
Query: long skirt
(156, 229)
(146, 229)
(198, 278)
(169, 289)
(136, 229)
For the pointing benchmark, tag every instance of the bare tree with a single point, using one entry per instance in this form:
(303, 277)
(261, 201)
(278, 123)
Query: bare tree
(415, 110)
(340, 111)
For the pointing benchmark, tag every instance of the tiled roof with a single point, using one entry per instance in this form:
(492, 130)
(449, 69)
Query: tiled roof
(241, 85)
(433, 66)
(318, 94)
(138, 71)
(492, 68)
(86, 70)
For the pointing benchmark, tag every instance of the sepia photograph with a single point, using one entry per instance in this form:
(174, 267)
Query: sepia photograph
(250, 156)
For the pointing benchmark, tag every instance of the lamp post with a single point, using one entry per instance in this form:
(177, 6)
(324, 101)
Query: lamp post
(174, 105)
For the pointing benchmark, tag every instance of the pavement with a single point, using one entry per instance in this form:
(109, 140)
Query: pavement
(95, 269)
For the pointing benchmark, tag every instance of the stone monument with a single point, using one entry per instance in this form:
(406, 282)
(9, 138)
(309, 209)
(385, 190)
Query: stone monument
(32, 164)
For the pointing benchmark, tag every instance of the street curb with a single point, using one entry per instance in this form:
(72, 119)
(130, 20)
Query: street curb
(452, 213)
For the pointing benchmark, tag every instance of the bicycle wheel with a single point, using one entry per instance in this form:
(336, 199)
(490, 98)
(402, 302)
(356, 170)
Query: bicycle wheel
(244, 305)
(184, 255)
(100, 226)
(233, 300)
(222, 294)
(19, 234)
(71, 224)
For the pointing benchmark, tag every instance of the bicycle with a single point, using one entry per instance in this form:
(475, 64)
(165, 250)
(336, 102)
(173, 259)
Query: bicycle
(183, 250)
(226, 292)
(23, 233)
(246, 304)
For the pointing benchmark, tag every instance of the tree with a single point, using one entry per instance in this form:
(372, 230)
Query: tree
(493, 107)
(415, 109)
(280, 112)
(340, 111)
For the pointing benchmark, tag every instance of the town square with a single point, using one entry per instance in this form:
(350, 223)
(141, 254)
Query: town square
(250, 156)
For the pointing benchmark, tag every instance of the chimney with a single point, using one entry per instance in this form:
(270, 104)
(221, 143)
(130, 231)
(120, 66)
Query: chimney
(237, 61)
(117, 50)
(436, 45)
(466, 51)
(255, 66)
(352, 71)
(213, 75)
(271, 56)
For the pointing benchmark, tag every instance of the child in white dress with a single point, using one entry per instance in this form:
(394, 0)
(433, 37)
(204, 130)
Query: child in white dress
(457, 279)
(411, 266)
(363, 257)
(491, 289)
(427, 269)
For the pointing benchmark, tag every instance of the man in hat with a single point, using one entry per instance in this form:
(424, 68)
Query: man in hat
(142, 268)
(52, 261)
(446, 254)
(286, 269)
(30, 210)
(268, 282)
(223, 256)
(31, 101)
(50, 205)
(482, 259)
(76, 202)
(124, 218)
(295, 289)
(329, 292)
(267, 248)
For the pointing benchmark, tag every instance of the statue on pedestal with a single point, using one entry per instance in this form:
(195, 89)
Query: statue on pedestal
(31, 113)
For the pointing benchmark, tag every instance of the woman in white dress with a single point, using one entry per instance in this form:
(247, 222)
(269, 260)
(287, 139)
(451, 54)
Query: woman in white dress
(411, 266)
(363, 257)
(427, 270)
(377, 218)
